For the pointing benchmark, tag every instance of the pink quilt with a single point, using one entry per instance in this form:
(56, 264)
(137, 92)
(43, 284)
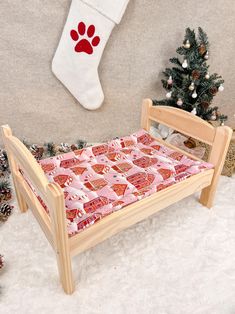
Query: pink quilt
(101, 179)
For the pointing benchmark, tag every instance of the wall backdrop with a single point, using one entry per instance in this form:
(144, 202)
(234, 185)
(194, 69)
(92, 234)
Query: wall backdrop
(39, 108)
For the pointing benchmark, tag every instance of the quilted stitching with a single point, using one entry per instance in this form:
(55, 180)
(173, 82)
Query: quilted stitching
(104, 178)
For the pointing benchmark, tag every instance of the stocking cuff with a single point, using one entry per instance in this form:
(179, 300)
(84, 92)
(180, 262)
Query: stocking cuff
(112, 9)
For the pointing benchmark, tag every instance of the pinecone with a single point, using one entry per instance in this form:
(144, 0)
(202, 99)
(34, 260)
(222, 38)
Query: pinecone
(196, 74)
(5, 195)
(5, 191)
(202, 49)
(3, 161)
(37, 151)
(213, 90)
(205, 104)
(74, 147)
(5, 211)
(1, 262)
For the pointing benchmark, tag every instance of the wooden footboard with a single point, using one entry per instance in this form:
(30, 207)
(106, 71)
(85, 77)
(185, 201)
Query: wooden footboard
(54, 225)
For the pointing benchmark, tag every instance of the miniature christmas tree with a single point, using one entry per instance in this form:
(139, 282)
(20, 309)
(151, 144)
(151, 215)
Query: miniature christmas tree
(189, 84)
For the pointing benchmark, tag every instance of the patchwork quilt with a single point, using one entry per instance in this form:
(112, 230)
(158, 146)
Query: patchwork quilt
(102, 179)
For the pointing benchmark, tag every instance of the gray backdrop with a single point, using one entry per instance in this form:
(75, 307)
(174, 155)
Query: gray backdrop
(37, 106)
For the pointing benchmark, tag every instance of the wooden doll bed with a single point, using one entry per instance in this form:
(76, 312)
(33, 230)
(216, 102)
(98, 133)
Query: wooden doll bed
(54, 224)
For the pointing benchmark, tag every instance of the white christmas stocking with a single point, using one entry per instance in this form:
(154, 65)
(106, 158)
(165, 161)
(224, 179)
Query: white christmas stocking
(84, 37)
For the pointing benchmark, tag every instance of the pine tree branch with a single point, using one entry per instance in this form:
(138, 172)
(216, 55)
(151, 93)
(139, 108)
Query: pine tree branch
(181, 51)
(163, 102)
(175, 61)
(202, 37)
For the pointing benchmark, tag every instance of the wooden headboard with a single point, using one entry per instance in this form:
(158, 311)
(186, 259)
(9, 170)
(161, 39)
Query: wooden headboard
(179, 120)
(193, 126)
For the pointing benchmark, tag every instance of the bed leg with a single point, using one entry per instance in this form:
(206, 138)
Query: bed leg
(217, 157)
(60, 237)
(65, 272)
(20, 200)
(6, 132)
(207, 195)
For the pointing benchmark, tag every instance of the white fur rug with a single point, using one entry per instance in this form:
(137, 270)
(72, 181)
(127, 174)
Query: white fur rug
(180, 261)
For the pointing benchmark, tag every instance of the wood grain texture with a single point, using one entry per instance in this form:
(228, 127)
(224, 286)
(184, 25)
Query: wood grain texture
(145, 121)
(217, 157)
(38, 211)
(137, 211)
(26, 162)
(60, 236)
(179, 120)
(55, 225)
(7, 135)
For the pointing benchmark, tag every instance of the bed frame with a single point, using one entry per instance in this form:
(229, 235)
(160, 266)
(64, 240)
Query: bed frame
(54, 225)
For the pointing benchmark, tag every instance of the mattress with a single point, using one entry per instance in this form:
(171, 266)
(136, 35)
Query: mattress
(102, 179)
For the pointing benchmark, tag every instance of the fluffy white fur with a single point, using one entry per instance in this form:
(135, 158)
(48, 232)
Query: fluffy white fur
(180, 261)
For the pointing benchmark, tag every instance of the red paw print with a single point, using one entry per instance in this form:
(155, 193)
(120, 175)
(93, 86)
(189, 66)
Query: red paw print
(85, 45)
